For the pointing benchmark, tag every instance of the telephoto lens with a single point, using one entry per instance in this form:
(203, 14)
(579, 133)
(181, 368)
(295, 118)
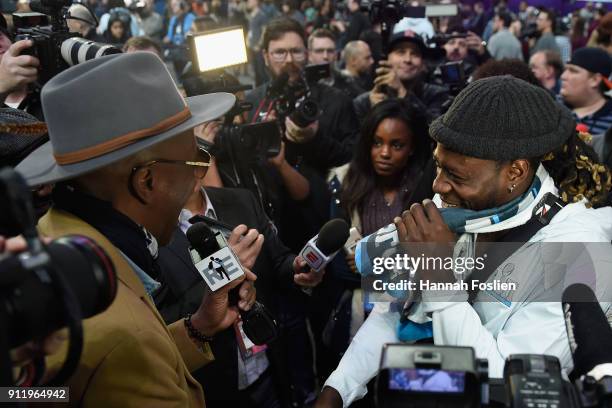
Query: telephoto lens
(76, 50)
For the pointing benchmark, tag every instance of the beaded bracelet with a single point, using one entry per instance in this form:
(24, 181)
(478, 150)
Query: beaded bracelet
(195, 333)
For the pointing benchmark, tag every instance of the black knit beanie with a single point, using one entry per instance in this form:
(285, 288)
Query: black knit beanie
(503, 118)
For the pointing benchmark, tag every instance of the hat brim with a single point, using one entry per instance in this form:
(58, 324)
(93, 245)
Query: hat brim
(40, 166)
(426, 52)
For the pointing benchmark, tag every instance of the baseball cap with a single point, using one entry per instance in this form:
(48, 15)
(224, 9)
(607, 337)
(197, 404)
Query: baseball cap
(594, 60)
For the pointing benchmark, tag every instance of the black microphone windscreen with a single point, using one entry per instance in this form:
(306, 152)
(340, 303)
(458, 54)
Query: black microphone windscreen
(202, 238)
(333, 236)
(588, 329)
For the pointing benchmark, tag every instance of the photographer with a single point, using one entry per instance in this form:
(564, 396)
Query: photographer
(322, 50)
(150, 22)
(326, 142)
(80, 20)
(503, 44)
(180, 23)
(546, 24)
(467, 48)
(403, 75)
(500, 170)
(273, 181)
(130, 357)
(17, 71)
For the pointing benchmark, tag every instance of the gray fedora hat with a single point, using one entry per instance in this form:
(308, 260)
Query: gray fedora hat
(109, 108)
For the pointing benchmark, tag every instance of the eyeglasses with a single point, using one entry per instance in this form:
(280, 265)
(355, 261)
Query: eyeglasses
(279, 55)
(199, 167)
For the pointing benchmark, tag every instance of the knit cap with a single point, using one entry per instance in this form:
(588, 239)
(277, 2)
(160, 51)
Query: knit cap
(503, 118)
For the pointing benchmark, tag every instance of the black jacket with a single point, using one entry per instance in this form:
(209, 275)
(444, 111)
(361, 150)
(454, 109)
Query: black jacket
(338, 129)
(427, 97)
(183, 289)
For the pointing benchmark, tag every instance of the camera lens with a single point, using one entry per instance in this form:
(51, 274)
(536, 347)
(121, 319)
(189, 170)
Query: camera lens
(305, 113)
(76, 50)
(34, 306)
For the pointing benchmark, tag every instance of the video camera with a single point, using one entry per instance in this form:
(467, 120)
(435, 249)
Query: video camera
(205, 74)
(441, 39)
(54, 46)
(452, 75)
(47, 287)
(425, 375)
(388, 13)
(251, 142)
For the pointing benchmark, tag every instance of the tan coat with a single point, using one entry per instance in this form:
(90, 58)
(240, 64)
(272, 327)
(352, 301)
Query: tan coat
(130, 357)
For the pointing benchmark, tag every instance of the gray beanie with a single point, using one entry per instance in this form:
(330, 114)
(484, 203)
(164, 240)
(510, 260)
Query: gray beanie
(503, 118)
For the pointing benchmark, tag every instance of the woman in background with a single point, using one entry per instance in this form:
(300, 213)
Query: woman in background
(118, 30)
(391, 169)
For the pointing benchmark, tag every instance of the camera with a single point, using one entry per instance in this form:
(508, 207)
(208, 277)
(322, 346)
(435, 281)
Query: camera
(54, 46)
(529, 31)
(48, 287)
(532, 379)
(252, 142)
(427, 375)
(258, 141)
(442, 39)
(390, 11)
(448, 376)
(452, 75)
(295, 100)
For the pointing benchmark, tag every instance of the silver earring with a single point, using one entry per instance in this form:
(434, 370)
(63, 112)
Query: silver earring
(511, 188)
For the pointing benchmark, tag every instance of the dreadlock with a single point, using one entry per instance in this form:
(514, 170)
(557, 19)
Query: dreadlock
(577, 172)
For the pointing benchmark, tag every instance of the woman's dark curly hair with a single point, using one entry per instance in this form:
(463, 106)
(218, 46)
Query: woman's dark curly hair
(361, 178)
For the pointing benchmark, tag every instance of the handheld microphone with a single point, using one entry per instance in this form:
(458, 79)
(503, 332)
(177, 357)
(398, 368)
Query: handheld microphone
(322, 248)
(383, 242)
(218, 266)
(588, 330)
(212, 256)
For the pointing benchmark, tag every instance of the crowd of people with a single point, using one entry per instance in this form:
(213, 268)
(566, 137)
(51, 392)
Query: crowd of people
(489, 110)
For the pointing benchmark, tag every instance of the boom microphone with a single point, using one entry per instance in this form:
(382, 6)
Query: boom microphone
(588, 330)
(218, 265)
(322, 248)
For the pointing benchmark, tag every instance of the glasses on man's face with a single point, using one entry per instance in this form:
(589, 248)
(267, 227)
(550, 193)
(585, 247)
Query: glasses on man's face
(200, 167)
(280, 54)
